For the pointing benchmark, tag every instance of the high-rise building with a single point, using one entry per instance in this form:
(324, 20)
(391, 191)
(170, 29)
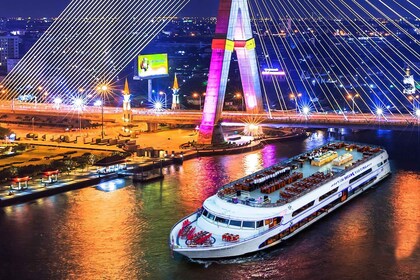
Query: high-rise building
(9, 48)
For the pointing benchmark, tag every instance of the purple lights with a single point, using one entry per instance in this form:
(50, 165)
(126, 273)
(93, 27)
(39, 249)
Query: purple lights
(233, 33)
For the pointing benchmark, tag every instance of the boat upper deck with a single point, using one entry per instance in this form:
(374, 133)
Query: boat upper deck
(284, 182)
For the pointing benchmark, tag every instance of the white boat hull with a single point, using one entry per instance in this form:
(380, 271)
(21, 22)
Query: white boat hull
(253, 245)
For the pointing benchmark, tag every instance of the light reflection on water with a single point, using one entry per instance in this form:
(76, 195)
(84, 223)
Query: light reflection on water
(91, 234)
(407, 208)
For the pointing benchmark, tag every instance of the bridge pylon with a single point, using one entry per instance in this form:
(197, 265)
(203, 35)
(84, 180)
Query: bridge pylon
(233, 33)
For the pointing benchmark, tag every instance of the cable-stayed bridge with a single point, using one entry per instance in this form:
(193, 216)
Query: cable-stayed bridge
(193, 117)
(319, 58)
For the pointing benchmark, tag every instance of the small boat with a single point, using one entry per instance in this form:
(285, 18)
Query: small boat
(147, 177)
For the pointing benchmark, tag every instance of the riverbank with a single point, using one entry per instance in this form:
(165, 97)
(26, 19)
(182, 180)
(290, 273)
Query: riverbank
(33, 193)
(134, 165)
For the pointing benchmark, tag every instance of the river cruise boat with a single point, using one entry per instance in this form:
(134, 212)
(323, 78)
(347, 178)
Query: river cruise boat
(263, 209)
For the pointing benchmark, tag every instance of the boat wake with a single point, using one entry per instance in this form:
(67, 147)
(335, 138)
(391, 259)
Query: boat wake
(258, 256)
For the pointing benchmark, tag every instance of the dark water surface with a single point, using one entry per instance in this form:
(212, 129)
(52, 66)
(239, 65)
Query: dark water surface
(91, 234)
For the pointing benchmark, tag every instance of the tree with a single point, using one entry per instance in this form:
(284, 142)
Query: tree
(8, 173)
(69, 164)
(59, 165)
(92, 159)
(82, 162)
(20, 147)
(14, 171)
(4, 132)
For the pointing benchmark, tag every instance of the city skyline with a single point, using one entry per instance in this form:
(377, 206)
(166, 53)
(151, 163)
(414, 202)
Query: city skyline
(45, 8)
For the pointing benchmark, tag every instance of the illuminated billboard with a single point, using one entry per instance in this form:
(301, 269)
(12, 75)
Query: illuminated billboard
(152, 65)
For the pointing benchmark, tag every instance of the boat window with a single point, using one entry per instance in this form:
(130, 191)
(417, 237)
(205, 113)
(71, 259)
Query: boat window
(210, 216)
(385, 161)
(268, 221)
(327, 194)
(260, 224)
(380, 164)
(248, 224)
(235, 223)
(205, 213)
(303, 208)
(221, 220)
(360, 175)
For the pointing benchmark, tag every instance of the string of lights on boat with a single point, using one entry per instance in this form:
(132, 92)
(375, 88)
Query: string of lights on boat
(92, 41)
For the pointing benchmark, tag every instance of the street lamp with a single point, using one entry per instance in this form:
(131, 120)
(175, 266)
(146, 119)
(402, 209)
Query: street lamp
(379, 112)
(163, 93)
(97, 103)
(238, 95)
(157, 105)
(352, 98)
(294, 97)
(103, 89)
(57, 102)
(39, 88)
(195, 95)
(413, 99)
(306, 110)
(78, 104)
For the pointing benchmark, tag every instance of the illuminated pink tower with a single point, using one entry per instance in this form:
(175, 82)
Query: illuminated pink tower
(233, 33)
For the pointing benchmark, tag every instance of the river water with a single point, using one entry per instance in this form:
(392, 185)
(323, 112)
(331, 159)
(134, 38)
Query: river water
(123, 234)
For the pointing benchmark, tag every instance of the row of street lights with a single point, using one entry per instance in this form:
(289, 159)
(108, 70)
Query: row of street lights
(78, 104)
(295, 97)
(195, 95)
(199, 96)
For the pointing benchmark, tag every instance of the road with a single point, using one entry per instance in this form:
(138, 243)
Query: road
(391, 121)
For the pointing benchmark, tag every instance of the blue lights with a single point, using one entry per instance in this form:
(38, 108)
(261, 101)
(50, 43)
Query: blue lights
(111, 186)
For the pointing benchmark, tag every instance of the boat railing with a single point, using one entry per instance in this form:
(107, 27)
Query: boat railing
(184, 218)
(335, 176)
(243, 179)
(289, 161)
(250, 237)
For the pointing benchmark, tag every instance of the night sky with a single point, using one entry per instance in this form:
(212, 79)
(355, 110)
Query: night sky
(52, 8)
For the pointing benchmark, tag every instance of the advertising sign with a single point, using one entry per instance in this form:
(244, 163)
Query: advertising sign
(152, 65)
